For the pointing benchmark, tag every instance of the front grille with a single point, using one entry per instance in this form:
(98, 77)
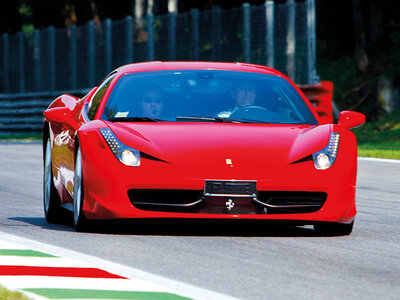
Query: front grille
(194, 201)
(165, 200)
(280, 202)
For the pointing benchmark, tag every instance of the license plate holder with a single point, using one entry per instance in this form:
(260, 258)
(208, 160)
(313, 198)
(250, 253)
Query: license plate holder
(230, 188)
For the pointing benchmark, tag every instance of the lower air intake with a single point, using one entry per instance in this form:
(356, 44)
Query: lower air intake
(280, 202)
(165, 200)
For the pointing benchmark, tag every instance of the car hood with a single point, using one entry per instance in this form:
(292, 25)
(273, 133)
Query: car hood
(216, 143)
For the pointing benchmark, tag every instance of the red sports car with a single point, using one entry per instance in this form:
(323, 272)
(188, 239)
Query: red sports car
(198, 140)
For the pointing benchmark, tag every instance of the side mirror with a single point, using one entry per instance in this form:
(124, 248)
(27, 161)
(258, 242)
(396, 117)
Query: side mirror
(61, 115)
(351, 119)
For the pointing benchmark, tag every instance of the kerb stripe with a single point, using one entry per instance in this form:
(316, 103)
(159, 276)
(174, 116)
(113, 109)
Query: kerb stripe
(23, 252)
(104, 294)
(56, 271)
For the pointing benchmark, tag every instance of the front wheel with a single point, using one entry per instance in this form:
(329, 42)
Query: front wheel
(80, 221)
(51, 203)
(333, 229)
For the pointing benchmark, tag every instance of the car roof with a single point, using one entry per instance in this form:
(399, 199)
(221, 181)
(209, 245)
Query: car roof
(188, 65)
(197, 65)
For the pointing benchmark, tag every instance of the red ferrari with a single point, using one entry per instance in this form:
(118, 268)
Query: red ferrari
(198, 140)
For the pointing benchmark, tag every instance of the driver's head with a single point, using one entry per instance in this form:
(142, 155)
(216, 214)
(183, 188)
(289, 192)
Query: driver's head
(151, 102)
(244, 93)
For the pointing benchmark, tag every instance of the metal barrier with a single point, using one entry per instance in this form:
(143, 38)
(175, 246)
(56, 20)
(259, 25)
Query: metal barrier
(24, 112)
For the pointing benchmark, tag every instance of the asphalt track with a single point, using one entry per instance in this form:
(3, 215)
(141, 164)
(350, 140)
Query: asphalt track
(249, 262)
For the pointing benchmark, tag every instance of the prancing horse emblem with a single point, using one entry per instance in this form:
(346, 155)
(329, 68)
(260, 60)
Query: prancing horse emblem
(229, 204)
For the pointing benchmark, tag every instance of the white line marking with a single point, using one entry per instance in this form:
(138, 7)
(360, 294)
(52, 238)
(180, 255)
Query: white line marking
(178, 287)
(14, 246)
(383, 160)
(26, 282)
(35, 296)
(43, 262)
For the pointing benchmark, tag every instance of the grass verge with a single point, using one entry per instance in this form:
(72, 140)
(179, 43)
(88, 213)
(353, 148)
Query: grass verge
(11, 295)
(19, 136)
(380, 139)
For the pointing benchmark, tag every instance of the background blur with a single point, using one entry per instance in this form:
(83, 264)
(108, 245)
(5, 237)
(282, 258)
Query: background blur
(358, 41)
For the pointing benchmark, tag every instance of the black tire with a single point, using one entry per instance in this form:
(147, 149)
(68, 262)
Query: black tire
(51, 202)
(79, 220)
(333, 229)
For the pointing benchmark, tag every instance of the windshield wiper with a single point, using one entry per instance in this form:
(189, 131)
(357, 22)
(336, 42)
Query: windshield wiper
(133, 119)
(205, 119)
(216, 119)
(247, 121)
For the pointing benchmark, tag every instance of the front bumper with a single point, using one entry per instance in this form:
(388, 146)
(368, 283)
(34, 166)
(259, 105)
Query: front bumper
(107, 182)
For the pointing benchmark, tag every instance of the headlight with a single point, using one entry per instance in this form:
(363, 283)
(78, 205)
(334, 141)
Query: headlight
(125, 154)
(326, 157)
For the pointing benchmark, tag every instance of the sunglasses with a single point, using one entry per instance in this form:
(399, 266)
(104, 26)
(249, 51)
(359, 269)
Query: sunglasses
(157, 100)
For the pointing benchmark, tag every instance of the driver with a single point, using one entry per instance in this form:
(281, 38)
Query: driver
(151, 102)
(244, 94)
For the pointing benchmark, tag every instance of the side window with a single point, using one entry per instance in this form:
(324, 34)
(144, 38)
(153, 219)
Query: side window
(96, 99)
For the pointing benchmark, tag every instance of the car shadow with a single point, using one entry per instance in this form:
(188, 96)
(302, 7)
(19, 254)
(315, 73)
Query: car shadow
(178, 227)
(223, 228)
(63, 225)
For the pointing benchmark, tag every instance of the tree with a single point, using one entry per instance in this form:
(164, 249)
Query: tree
(10, 19)
(48, 13)
(83, 10)
(360, 35)
(112, 10)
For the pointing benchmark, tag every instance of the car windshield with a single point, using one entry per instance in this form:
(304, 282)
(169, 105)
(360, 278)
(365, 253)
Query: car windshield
(206, 96)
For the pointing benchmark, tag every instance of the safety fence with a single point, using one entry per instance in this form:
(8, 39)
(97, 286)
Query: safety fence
(278, 35)
(46, 62)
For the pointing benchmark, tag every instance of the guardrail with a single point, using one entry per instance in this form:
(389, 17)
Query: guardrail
(24, 112)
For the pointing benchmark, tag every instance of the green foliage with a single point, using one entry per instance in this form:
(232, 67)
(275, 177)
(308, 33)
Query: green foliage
(353, 89)
(11, 295)
(380, 138)
(20, 136)
(343, 72)
(28, 29)
(25, 10)
(390, 60)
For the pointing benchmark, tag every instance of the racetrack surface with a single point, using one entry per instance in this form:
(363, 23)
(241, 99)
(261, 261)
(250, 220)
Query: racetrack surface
(248, 261)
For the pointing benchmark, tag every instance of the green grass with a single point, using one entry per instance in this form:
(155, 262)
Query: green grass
(17, 136)
(11, 295)
(380, 139)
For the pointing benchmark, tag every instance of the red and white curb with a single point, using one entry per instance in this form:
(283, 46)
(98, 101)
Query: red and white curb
(43, 271)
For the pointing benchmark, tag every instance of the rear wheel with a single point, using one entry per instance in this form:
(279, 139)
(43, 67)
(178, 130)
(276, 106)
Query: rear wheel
(332, 229)
(80, 221)
(51, 203)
